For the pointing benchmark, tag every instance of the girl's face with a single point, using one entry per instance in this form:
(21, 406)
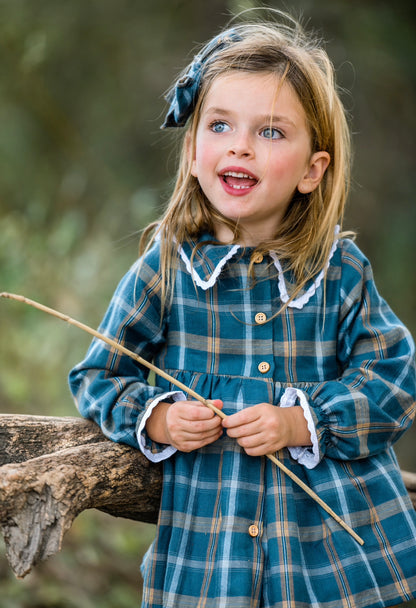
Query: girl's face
(253, 151)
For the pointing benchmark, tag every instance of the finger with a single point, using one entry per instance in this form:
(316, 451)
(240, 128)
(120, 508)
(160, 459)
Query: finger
(185, 437)
(214, 406)
(192, 422)
(194, 442)
(190, 410)
(251, 441)
(199, 411)
(243, 429)
(246, 416)
(200, 427)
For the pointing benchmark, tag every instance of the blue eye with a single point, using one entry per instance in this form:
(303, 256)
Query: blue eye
(219, 127)
(271, 133)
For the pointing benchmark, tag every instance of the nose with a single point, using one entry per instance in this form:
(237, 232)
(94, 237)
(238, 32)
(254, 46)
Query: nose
(241, 145)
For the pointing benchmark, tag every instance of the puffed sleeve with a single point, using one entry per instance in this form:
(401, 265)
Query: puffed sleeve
(111, 388)
(372, 403)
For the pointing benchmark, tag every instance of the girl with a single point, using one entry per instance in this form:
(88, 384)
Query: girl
(249, 293)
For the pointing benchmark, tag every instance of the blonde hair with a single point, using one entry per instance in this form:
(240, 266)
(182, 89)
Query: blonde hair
(306, 234)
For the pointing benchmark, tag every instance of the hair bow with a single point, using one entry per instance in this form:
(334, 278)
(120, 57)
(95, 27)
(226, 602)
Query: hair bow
(183, 96)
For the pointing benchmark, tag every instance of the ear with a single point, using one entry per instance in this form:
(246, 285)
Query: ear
(317, 166)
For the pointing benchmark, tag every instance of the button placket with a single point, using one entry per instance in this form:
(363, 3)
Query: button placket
(262, 311)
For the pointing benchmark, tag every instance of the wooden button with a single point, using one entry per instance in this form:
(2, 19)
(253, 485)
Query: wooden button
(258, 258)
(263, 367)
(260, 318)
(253, 530)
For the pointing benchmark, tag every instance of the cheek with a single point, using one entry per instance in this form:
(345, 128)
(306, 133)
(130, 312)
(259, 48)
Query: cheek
(204, 159)
(288, 167)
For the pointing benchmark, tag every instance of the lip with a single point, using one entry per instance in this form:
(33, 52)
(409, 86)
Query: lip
(238, 172)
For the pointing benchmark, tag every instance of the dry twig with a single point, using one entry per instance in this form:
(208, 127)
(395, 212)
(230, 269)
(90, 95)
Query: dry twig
(186, 389)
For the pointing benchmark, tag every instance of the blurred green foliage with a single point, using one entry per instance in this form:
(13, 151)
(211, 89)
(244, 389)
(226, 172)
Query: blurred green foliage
(98, 567)
(84, 167)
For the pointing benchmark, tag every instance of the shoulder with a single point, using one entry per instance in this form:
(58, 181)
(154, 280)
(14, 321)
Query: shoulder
(350, 263)
(142, 277)
(351, 255)
(149, 262)
(350, 276)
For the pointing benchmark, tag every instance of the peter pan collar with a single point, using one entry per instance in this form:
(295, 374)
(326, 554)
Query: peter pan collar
(198, 263)
(208, 263)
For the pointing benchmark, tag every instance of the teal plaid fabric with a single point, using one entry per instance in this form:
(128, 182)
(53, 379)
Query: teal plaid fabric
(345, 352)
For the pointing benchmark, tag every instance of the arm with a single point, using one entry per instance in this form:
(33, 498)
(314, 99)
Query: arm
(111, 388)
(372, 403)
(362, 412)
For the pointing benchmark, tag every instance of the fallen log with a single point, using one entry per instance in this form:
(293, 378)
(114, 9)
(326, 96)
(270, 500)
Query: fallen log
(52, 469)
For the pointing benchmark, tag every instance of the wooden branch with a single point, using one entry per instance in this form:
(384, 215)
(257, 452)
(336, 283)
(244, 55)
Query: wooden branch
(25, 437)
(51, 469)
(160, 372)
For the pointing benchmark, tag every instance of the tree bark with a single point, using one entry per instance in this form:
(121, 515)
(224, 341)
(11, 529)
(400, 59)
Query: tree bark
(52, 469)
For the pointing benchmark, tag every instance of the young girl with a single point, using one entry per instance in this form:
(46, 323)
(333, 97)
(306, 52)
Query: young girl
(249, 293)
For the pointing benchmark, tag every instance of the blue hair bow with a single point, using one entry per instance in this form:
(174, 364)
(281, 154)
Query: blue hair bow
(184, 94)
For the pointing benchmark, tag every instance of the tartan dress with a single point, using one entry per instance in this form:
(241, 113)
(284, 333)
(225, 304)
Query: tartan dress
(234, 531)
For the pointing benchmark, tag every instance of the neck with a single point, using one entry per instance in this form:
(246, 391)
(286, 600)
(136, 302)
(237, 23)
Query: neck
(248, 238)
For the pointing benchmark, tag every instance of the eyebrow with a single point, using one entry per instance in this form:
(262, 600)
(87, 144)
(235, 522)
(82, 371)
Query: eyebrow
(273, 119)
(266, 118)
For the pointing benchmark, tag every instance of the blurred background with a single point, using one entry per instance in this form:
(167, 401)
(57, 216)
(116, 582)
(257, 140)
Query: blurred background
(84, 167)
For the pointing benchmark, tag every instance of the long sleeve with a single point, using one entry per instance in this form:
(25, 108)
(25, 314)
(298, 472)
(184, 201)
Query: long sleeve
(372, 403)
(109, 387)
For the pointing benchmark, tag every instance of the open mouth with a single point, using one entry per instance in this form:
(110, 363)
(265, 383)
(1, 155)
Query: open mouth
(238, 180)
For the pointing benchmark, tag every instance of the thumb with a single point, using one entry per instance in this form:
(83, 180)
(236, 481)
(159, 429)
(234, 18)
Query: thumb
(218, 404)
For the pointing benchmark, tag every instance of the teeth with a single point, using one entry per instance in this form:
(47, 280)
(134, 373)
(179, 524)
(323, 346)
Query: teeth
(235, 174)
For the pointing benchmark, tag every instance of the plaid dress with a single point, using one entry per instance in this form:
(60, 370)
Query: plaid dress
(234, 531)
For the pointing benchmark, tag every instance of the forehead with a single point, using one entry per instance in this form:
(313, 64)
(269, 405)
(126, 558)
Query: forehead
(253, 93)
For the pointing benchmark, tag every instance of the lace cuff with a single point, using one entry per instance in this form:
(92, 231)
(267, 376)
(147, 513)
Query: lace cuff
(307, 456)
(156, 452)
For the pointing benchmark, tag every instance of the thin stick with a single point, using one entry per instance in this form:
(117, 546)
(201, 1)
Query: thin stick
(184, 388)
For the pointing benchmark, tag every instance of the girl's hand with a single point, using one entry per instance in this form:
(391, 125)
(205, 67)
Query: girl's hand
(264, 428)
(187, 425)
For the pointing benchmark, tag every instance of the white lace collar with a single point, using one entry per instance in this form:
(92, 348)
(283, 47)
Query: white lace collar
(207, 283)
(304, 298)
(210, 282)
